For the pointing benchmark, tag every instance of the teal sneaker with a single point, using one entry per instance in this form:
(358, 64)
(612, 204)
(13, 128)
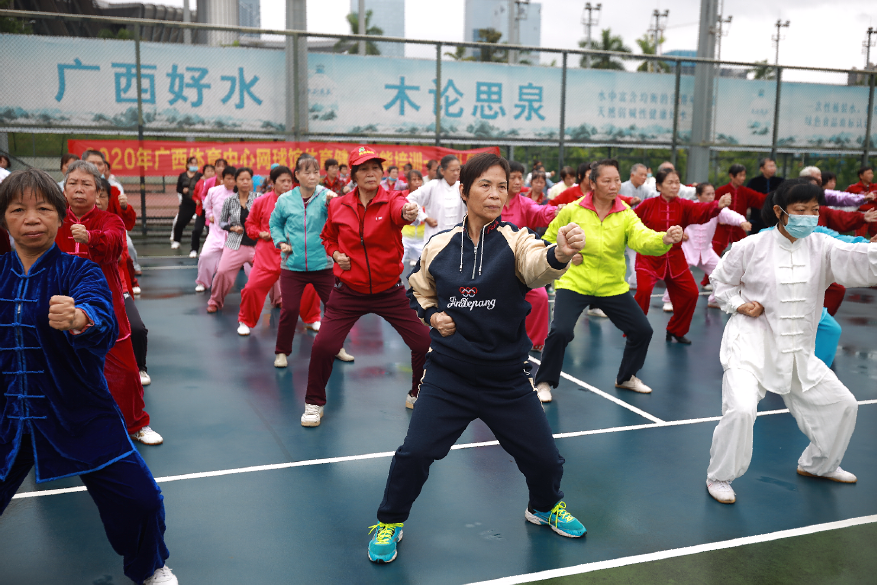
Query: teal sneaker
(382, 548)
(560, 521)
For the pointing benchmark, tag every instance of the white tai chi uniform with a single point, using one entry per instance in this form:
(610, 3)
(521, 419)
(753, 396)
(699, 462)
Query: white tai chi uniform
(775, 351)
(441, 202)
(698, 248)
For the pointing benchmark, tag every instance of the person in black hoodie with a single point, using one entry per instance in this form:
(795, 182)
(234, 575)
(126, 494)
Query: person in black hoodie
(185, 189)
(469, 286)
(766, 182)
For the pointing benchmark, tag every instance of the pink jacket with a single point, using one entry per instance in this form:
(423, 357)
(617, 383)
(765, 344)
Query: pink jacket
(526, 213)
(699, 245)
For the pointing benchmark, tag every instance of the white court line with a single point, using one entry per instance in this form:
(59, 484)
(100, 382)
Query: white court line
(678, 552)
(609, 397)
(386, 454)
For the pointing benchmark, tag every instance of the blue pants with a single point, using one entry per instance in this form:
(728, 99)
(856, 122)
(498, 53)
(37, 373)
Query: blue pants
(827, 338)
(128, 500)
(453, 394)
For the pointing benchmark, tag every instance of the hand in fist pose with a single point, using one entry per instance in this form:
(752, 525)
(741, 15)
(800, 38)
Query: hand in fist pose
(570, 241)
(79, 233)
(673, 235)
(64, 316)
(409, 211)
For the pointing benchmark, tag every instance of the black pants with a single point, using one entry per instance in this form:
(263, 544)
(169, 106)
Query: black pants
(622, 311)
(452, 395)
(197, 231)
(184, 216)
(139, 332)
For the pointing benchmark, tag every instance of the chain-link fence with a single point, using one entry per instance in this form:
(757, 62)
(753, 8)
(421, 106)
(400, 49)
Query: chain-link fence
(560, 106)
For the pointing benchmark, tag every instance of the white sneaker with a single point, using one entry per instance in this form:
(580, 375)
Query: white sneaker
(344, 356)
(668, 307)
(838, 475)
(409, 401)
(280, 360)
(315, 326)
(413, 263)
(243, 330)
(721, 491)
(200, 288)
(136, 290)
(636, 385)
(312, 415)
(595, 312)
(162, 576)
(147, 436)
(193, 254)
(175, 245)
(145, 380)
(707, 287)
(543, 391)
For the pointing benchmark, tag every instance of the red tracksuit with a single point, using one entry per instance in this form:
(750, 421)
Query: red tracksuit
(839, 221)
(742, 198)
(659, 214)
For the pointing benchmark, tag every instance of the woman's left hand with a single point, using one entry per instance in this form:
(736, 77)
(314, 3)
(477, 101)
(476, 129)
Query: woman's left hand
(409, 211)
(725, 201)
(236, 229)
(570, 241)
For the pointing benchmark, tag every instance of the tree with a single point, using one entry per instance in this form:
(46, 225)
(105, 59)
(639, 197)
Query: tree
(459, 55)
(489, 54)
(647, 47)
(13, 25)
(607, 42)
(763, 71)
(352, 47)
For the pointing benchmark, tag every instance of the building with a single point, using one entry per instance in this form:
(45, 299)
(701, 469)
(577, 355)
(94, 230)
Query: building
(494, 14)
(249, 14)
(389, 16)
(688, 66)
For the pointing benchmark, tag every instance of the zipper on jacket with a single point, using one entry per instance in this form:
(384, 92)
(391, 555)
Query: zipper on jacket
(305, 205)
(364, 250)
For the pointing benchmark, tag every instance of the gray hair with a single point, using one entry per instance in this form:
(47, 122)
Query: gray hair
(809, 172)
(81, 165)
(636, 167)
(34, 181)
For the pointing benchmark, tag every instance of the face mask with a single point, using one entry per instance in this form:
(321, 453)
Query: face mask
(649, 175)
(801, 226)
(193, 169)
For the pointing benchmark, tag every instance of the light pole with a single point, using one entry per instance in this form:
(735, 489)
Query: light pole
(590, 17)
(867, 44)
(657, 31)
(776, 40)
(517, 13)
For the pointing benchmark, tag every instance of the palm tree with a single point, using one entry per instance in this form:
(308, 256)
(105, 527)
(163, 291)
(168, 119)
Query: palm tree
(459, 55)
(489, 54)
(763, 71)
(352, 47)
(607, 42)
(647, 47)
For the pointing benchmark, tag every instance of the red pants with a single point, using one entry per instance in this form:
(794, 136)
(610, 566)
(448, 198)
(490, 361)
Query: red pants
(834, 296)
(683, 294)
(344, 308)
(537, 320)
(299, 297)
(123, 378)
(263, 279)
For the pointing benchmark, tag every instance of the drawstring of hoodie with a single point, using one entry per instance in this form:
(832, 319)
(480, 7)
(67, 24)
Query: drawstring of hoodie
(480, 259)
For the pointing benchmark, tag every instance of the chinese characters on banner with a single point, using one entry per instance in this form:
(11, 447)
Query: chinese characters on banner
(161, 157)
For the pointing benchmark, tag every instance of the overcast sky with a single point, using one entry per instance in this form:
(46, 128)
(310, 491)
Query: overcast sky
(821, 33)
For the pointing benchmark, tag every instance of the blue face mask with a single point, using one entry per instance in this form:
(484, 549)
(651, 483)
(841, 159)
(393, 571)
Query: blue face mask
(193, 169)
(801, 226)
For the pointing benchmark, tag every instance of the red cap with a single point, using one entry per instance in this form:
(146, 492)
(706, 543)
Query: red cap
(362, 154)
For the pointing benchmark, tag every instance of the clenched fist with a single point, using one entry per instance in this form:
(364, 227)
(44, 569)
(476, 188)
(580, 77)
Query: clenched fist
(751, 309)
(673, 235)
(443, 323)
(342, 259)
(79, 233)
(123, 201)
(724, 200)
(746, 226)
(570, 241)
(285, 248)
(64, 316)
(409, 211)
(577, 259)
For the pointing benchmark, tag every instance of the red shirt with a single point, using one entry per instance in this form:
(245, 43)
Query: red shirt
(660, 215)
(861, 187)
(370, 236)
(839, 220)
(128, 215)
(336, 186)
(742, 198)
(267, 255)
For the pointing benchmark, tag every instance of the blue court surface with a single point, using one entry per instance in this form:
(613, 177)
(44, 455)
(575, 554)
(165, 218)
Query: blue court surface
(253, 497)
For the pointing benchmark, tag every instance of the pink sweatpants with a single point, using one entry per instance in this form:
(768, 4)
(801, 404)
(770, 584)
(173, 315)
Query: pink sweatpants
(211, 254)
(229, 266)
(537, 320)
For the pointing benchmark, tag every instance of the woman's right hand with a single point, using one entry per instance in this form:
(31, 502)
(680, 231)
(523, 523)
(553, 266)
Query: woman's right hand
(431, 222)
(443, 323)
(342, 259)
(285, 248)
(236, 229)
(751, 309)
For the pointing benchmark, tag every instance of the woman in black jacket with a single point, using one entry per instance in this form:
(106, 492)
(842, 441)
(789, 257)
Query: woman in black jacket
(185, 189)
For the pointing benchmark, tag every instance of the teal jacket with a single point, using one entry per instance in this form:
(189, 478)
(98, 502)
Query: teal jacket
(299, 225)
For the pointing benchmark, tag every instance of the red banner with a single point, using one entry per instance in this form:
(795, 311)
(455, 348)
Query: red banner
(166, 157)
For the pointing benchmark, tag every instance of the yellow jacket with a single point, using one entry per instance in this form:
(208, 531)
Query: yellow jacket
(601, 272)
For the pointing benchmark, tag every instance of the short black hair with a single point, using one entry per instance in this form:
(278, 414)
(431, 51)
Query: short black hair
(597, 165)
(431, 163)
(413, 173)
(567, 172)
(446, 160)
(330, 162)
(828, 176)
(663, 174)
(699, 188)
(220, 160)
(240, 170)
(343, 165)
(228, 170)
(478, 165)
(67, 157)
(538, 175)
(736, 169)
(863, 170)
(280, 170)
(801, 190)
(105, 187)
(392, 168)
(516, 167)
(190, 159)
(205, 167)
(764, 161)
(582, 171)
(32, 181)
(306, 160)
(88, 153)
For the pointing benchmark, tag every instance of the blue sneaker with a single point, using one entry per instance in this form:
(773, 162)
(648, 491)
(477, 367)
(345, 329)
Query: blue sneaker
(560, 521)
(382, 548)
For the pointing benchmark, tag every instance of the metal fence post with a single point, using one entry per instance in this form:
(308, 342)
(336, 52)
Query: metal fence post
(868, 124)
(560, 153)
(438, 94)
(140, 127)
(296, 118)
(675, 139)
(776, 116)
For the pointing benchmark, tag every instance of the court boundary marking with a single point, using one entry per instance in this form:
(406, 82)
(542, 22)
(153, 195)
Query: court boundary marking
(387, 454)
(678, 552)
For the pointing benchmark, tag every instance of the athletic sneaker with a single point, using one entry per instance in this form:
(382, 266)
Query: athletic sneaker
(147, 436)
(595, 312)
(560, 521)
(707, 287)
(145, 380)
(175, 245)
(668, 307)
(243, 330)
(136, 290)
(838, 475)
(721, 491)
(200, 288)
(343, 355)
(382, 547)
(315, 326)
(634, 384)
(193, 254)
(162, 576)
(280, 360)
(409, 401)
(312, 415)
(543, 391)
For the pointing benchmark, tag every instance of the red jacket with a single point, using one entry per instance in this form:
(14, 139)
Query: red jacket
(128, 215)
(370, 236)
(861, 188)
(659, 214)
(742, 199)
(569, 195)
(839, 220)
(257, 221)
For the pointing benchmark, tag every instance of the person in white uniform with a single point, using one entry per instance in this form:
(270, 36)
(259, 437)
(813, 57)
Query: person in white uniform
(440, 198)
(774, 283)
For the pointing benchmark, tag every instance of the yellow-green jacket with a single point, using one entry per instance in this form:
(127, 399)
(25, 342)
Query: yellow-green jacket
(601, 272)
